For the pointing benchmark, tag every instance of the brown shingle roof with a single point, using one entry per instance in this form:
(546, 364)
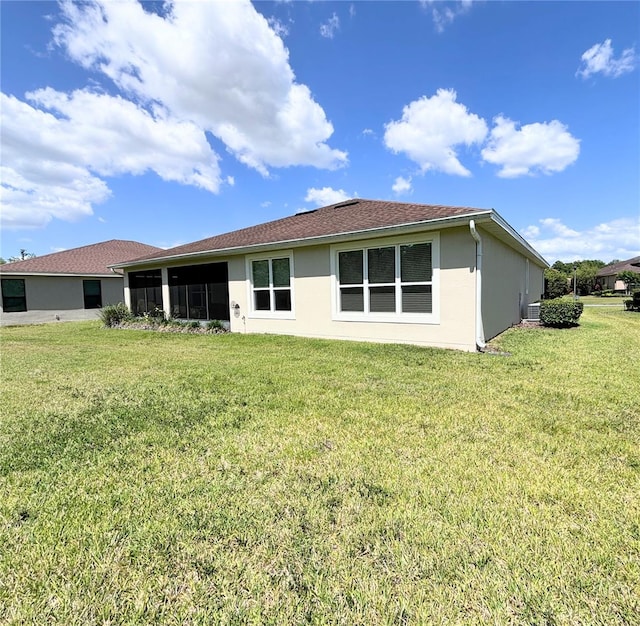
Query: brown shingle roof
(615, 268)
(92, 259)
(345, 217)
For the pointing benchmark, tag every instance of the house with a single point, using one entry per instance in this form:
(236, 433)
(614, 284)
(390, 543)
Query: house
(606, 276)
(365, 270)
(66, 285)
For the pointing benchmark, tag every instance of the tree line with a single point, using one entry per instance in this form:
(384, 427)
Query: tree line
(559, 278)
(20, 257)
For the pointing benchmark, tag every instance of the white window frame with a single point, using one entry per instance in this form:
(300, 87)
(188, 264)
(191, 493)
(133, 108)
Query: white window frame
(272, 314)
(398, 316)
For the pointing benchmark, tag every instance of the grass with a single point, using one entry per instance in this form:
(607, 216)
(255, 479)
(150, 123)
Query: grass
(613, 301)
(232, 479)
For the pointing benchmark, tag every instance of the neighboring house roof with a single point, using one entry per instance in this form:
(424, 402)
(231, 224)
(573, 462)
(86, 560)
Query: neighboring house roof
(615, 268)
(341, 220)
(91, 260)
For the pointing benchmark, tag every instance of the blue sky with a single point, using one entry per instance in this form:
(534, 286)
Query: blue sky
(169, 122)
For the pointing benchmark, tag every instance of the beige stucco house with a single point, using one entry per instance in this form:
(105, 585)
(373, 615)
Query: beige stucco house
(607, 276)
(68, 285)
(367, 270)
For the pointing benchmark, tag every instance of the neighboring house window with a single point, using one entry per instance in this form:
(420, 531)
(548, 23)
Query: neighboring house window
(391, 282)
(14, 299)
(199, 292)
(145, 290)
(92, 291)
(271, 286)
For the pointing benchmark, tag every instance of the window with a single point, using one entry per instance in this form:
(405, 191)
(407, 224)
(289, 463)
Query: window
(145, 289)
(271, 286)
(14, 299)
(199, 292)
(386, 283)
(92, 291)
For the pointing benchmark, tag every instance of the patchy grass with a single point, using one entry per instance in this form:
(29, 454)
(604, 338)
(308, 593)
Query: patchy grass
(231, 479)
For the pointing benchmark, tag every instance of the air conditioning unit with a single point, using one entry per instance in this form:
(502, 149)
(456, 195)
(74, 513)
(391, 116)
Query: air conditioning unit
(533, 311)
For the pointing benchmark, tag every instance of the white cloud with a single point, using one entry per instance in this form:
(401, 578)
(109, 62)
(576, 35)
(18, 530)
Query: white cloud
(402, 185)
(617, 239)
(280, 29)
(545, 147)
(329, 28)
(445, 15)
(600, 58)
(215, 64)
(198, 68)
(326, 196)
(55, 152)
(429, 130)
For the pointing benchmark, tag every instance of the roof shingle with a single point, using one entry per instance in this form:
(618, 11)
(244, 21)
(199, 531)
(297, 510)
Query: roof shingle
(615, 268)
(90, 260)
(345, 217)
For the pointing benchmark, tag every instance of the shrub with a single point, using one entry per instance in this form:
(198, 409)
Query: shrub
(633, 304)
(156, 315)
(555, 284)
(560, 313)
(114, 314)
(215, 325)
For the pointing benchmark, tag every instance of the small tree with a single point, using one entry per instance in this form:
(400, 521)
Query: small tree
(555, 284)
(631, 279)
(22, 256)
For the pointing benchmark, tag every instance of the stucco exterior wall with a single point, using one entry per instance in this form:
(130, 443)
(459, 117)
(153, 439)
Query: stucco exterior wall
(509, 284)
(312, 293)
(57, 295)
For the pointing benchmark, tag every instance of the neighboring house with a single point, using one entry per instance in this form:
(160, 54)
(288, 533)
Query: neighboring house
(606, 276)
(66, 285)
(365, 270)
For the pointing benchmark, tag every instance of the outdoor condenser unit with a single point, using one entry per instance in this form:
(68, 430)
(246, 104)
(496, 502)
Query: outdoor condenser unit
(533, 311)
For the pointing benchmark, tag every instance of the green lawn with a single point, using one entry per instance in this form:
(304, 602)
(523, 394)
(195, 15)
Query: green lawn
(192, 479)
(613, 301)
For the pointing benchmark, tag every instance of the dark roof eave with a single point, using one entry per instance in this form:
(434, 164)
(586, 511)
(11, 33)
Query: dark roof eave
(112, 274)
(315, 240)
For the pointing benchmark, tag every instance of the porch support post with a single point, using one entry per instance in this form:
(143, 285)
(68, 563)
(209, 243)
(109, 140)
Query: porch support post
(127, 293)
(166, 295)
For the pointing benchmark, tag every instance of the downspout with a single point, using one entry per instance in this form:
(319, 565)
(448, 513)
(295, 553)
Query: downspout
(480, 343)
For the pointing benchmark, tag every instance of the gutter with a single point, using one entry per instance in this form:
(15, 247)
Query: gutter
(480, 342)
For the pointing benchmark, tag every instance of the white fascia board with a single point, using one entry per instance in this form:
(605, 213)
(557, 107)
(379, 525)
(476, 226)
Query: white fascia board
(516, 238)
(381, 231)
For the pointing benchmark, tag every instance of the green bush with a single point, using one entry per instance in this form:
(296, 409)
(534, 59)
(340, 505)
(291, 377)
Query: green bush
(114, 314)
(633, 304)
(555, 283)
(560, 313)
(215, 325)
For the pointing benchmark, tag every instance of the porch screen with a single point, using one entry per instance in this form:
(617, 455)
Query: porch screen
(200, 292)
(145, 289)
